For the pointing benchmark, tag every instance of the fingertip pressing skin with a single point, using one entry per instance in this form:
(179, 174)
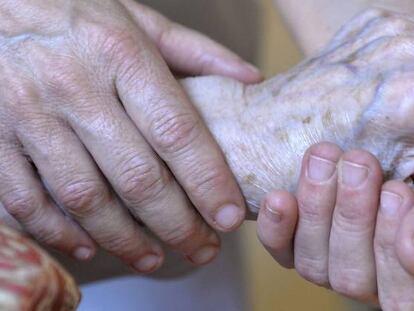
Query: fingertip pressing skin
(276, 225)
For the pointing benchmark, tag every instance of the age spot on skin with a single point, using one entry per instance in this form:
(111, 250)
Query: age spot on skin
(327, 118)
(250, 179)
(307, 120)
(276, 93)
(283, 136)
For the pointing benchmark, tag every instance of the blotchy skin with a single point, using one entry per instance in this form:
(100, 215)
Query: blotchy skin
(357, 93)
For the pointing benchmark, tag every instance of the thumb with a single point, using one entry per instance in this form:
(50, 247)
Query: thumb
(188, 51)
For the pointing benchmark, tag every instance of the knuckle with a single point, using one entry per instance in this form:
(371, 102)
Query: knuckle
(373, 13)
(173, 133)
(394, 25)
(395, 44)
(82, 197)
(352, 218)
(309, 211)
(182, 233)
(207, 178)
(140, 180)
(118, 52)
(381, 46)
(20, 97)
(55, 237)
(396, 89)
(389, 45)
(125, 245)
(21, 204)
(112, 42)
(61, 84)
(23, 94)
(353, 214)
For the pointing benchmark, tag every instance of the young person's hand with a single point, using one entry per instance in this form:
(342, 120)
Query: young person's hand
(344, 229)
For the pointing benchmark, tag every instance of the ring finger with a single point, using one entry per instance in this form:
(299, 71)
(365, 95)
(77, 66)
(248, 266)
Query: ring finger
(139, 177)
(78, 187)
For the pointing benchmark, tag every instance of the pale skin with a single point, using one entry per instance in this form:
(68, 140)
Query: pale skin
(353, 231)
(263, 131)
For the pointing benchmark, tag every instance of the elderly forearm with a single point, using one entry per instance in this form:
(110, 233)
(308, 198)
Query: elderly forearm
(313, 23)
(356, 94)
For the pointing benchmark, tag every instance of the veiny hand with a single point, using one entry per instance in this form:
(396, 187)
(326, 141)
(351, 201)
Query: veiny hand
(90, 111)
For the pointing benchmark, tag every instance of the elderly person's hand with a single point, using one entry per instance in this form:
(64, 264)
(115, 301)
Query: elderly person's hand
(97, 137)
(344, 228)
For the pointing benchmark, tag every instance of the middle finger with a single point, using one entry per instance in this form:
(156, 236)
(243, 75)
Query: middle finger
(139, 177)
(316, 196)
(78, 187)
(351, 254)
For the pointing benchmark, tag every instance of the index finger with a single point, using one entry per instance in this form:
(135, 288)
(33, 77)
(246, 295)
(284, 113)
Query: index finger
(162, 112)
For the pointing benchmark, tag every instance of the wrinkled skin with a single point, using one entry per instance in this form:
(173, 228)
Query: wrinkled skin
(357, 94)
(88, 100)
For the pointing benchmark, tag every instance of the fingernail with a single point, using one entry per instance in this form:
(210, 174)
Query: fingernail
(353, 175)
(272, 214)
(148, 263)
(83, 253)
(204, 255)
(320, 169)
(390, 202)
(228, 217)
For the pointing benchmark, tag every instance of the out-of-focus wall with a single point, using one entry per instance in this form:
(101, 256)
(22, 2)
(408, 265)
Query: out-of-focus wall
(277, 52)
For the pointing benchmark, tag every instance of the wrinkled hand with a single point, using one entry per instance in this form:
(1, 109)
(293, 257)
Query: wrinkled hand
(90, 111)
(344, 228)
